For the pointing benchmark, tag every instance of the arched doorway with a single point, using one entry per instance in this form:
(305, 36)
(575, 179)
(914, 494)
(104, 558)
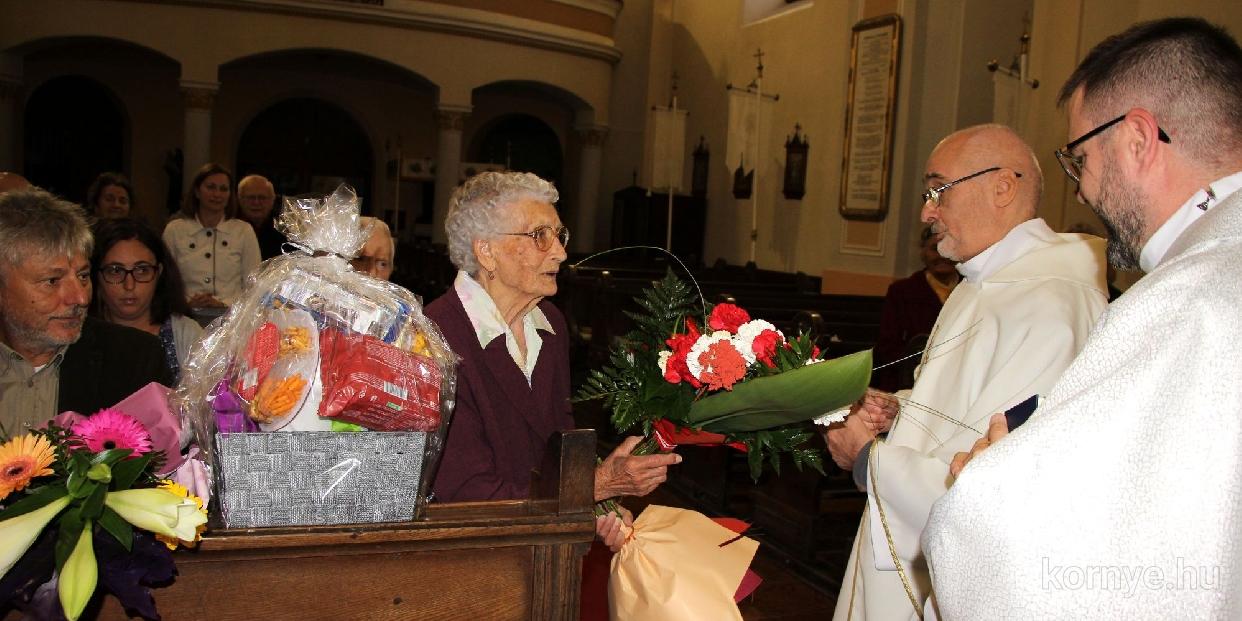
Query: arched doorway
(524, 143)
(74, 128)
(307, 145)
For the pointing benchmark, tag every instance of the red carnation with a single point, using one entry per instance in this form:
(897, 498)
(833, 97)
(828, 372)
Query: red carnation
(764, 347)
(675, 370)
(727, 317)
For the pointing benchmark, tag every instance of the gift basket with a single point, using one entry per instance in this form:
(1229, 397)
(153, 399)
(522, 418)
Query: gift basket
(323, 395)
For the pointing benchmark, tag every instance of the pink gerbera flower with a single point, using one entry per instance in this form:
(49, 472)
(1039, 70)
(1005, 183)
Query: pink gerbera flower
(111, 429)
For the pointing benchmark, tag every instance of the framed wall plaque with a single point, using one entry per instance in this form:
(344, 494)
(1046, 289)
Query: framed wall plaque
(870, 109)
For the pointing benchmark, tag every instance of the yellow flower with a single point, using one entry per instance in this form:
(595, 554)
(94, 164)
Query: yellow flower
(160, 511)
(18, 533)
(79, 575)
(180, 490)
(22, 459)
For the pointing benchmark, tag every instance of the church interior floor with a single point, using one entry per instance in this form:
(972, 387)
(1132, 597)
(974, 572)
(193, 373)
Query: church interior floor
(785, 593)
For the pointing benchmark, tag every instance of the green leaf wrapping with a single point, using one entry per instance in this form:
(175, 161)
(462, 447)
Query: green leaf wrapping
(126, 472)
(38, 499)
(116, 525)
(790, 397)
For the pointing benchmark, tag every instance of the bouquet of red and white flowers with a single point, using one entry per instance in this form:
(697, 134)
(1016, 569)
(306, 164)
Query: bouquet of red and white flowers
(737, 381)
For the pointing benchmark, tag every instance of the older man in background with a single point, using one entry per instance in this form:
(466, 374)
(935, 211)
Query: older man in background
(1122, 497)
(52, 356)
(1027, 300)
(378, 253)
(256, 198)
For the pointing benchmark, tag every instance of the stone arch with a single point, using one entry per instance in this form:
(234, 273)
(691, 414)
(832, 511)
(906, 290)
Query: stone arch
(139, 80)
(301, 144)
(73, 128)
(520, 142)
(398, 114)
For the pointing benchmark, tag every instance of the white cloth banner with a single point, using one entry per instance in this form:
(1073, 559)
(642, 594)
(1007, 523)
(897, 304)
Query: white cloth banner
(668, 152)
(1009, 102)
(748, 118)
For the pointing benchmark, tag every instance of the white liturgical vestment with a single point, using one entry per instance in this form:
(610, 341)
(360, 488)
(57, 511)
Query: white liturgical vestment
(1121, 497)
(1007, 332)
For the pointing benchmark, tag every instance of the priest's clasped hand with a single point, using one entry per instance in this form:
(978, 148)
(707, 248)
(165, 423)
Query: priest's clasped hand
(998, 428)
(878, 409)
(846, 439)
(623, 474)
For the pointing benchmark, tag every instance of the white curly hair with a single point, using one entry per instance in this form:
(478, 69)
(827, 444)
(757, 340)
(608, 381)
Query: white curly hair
(478, 209)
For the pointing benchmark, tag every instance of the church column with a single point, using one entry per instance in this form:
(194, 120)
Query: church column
(592, 140)
(198, 98)
(450, 119)
(10, 88)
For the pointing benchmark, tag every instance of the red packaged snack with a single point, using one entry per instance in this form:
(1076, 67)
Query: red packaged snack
(371, 383)
(261, 353)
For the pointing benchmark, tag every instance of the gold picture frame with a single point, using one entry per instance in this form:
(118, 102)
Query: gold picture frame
(870, 112)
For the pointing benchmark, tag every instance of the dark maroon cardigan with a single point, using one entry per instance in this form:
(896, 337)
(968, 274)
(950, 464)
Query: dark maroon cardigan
(501, 424)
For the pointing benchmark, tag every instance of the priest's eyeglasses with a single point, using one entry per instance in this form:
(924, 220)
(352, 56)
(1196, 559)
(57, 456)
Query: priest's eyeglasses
(1072, 164)
(932, 195)
(544, 236)
(115, 273)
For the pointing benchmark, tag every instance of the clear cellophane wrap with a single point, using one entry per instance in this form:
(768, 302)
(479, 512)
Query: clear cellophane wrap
(314, 346)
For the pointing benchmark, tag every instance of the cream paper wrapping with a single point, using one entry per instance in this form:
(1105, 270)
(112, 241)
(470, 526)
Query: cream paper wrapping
(673, 567)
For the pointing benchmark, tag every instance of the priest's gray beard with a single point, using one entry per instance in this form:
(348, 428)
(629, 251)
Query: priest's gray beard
(1120, 207)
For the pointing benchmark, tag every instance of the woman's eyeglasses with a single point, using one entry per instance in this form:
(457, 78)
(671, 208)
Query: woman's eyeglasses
(544, 236)
(115, 273)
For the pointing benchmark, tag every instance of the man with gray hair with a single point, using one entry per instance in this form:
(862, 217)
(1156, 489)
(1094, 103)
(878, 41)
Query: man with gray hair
(1027, 300)
(256, 201)
(376, 256)
(52, 356)
(1122, 496)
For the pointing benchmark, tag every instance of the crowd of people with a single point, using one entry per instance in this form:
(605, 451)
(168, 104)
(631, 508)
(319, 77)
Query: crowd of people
(1130, 459)
(74, 296)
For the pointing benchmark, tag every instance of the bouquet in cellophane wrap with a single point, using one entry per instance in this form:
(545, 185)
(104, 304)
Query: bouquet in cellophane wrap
(323, 396)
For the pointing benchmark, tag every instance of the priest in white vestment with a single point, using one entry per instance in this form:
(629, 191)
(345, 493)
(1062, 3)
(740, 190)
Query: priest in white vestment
(1027, 301)
(1121, 498)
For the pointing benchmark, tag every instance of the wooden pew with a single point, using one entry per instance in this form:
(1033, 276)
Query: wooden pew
(519, 559)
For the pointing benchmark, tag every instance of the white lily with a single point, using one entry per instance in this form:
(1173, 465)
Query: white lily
(159, 511)
(79, 575)
(17, 534)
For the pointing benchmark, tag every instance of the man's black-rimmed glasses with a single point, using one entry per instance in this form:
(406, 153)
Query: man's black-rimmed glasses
(1072, 164)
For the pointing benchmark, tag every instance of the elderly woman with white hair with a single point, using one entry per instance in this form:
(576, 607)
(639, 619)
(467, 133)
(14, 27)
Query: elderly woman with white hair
(508, 243)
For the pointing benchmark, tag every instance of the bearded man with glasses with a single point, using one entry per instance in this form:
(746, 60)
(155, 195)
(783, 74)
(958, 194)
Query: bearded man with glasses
(1026, 303)
(1122, 497)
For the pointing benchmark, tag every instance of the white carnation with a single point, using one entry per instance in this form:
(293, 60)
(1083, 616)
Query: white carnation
(664, 356)
(745, 338)
(835, 416)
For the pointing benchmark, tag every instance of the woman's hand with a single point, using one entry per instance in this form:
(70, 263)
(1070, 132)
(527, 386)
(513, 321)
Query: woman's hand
(623, 474)
(613, 531)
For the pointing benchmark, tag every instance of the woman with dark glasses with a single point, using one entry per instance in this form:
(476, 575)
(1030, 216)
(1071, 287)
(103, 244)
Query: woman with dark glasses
(138, 285)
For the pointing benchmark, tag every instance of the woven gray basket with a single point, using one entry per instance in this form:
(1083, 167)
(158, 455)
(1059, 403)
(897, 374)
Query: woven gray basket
(305, 478)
